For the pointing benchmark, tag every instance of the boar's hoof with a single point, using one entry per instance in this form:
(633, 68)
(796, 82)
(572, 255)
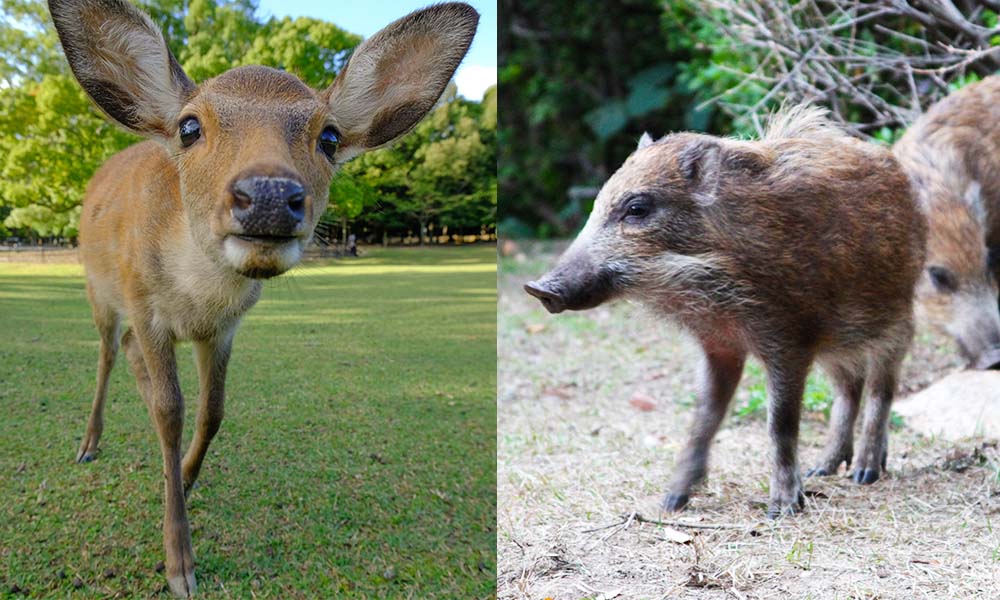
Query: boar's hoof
(817, 472)
(780, 508)
(865, 476)
(675, 502)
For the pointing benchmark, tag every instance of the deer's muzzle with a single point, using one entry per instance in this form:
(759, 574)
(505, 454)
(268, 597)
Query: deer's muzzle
(268, 209)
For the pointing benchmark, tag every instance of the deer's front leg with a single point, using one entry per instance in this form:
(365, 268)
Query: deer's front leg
(166, 408)
(212, 357)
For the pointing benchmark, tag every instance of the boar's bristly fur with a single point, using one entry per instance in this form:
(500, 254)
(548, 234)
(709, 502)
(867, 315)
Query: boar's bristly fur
(801, 247)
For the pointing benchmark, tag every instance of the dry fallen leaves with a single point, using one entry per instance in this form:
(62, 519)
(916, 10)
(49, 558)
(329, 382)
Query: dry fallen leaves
(563, 392)
(643, 402)
(534, 328)
(676, 536)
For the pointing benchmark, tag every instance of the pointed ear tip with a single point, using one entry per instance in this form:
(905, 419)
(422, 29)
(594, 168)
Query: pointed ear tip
(461, 12)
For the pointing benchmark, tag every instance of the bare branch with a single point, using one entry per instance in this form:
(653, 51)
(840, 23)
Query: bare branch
(857, 56)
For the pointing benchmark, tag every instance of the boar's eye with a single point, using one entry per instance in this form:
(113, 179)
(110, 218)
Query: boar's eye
(943, 279)
(638, 208)
(993, 258)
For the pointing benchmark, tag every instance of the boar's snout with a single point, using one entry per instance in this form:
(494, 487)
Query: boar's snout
(577, 283)
(550, 296)
(990, 359)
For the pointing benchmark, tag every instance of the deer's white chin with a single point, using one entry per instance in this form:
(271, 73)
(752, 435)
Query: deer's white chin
(261, 260)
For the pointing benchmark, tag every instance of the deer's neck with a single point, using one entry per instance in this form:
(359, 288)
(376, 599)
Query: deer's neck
(202, 296)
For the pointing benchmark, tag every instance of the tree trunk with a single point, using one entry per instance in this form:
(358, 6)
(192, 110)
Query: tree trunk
(423, 231)
(343, 236)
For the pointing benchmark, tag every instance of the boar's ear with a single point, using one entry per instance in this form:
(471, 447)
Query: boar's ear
(699, 163)
(973, 200)
(704, 162)
(645, 140)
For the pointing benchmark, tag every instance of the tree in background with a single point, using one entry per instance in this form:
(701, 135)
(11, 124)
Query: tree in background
(443, 172)
(580, 83)
(52, 139)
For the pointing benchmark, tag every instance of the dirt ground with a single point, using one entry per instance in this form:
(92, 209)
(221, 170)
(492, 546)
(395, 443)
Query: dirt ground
(581, 471)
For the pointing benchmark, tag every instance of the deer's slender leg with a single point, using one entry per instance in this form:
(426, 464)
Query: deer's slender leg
(212, 356)
(137, 364)
(107, 321)
(166, 407)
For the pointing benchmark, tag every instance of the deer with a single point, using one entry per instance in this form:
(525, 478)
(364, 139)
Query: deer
(178, 232)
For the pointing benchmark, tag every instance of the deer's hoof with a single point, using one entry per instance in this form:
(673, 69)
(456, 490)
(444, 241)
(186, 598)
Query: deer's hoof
(85, 456)
(182, 586)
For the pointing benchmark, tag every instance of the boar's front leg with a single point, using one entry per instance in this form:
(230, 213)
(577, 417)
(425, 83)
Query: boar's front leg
(786, 375)
(720, 373)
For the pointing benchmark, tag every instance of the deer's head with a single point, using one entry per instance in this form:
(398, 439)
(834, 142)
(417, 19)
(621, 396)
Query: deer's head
(255, 148)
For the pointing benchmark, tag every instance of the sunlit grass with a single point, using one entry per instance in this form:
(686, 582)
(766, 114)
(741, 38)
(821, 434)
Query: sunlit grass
(357, 458)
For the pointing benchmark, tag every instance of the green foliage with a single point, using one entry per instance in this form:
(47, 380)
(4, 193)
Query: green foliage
(367, 444)
(443, 172)
(52, 139)
(50, 143)
(818, 396)
(580, 85)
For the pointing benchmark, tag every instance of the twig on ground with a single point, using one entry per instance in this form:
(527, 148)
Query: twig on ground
(631, 517)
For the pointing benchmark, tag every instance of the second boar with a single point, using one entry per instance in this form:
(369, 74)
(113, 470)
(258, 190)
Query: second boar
(952, 155)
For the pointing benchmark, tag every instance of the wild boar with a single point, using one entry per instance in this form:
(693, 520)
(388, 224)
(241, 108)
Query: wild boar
(952, 156)
(802, 247)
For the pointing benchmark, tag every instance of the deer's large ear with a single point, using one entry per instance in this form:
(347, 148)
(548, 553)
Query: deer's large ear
(394, 77)
(122, 61)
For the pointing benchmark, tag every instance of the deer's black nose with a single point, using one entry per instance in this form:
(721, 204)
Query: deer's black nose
(268, 206)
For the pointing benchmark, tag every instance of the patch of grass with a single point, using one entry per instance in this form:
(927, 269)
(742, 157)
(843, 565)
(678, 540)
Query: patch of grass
(800, 554)
(817, 398)
(357, 457)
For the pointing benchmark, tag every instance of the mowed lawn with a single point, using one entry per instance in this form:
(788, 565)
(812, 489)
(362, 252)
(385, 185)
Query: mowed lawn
(357, 458)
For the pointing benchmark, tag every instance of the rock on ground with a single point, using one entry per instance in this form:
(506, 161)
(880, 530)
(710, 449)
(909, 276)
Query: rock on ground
(961, 405)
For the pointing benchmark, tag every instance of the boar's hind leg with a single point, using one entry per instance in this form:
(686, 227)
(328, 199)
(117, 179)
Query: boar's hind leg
(720, 373)
(786, 379)
(850, 384)
(874, 443)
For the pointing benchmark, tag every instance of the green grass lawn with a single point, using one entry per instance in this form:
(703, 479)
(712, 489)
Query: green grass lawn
(357, 458)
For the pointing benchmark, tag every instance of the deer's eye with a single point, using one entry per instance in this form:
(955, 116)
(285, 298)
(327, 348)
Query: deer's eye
(329, 141)
(190, 130)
